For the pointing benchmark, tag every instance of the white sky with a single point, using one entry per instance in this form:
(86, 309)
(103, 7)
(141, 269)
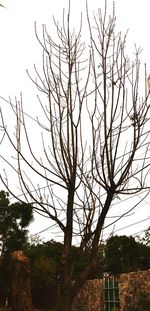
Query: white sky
(19, 50)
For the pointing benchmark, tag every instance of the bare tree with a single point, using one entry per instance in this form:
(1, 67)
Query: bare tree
(95, 139)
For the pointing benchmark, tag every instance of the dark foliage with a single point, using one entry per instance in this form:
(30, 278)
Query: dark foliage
(124, 254)
(45, 271)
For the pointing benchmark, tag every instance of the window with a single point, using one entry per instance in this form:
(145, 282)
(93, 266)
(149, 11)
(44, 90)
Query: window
(111, 293)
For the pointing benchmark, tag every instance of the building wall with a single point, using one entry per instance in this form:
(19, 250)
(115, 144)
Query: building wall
(131, 286)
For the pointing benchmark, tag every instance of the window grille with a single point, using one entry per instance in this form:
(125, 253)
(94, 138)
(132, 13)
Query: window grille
(111, 293)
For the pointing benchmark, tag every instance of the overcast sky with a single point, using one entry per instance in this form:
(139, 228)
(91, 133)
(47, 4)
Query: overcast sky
(19, 50)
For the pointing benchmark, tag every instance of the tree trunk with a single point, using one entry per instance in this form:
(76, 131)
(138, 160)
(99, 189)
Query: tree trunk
(68, 286)
(20, 283)
(65, 302)
(65, 295)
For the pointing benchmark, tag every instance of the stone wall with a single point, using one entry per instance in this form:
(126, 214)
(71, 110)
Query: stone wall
(131, 286)
(90, 297)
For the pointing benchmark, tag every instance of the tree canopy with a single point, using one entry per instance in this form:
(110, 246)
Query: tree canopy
(124, 254)
(14, 220)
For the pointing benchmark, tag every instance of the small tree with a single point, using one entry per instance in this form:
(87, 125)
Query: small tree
(14, 220)
(94, 138)
(146, 238)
